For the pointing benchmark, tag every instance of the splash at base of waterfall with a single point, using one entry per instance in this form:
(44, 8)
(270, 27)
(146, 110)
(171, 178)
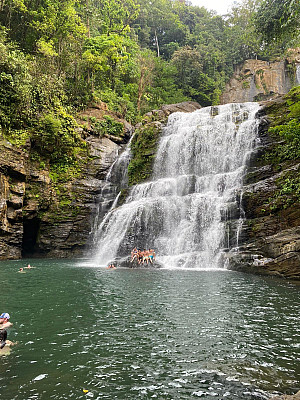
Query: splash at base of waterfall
(190, 212)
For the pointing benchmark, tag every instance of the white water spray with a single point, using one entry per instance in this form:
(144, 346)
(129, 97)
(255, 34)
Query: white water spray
(183, 211)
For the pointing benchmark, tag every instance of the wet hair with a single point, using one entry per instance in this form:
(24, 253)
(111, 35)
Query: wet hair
(3, 337)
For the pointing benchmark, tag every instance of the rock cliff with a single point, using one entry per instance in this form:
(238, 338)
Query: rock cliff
(270, 240)
(257, 80)
(42, 215)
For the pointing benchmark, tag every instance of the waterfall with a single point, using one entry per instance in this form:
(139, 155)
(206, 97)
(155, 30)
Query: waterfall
(116, 180)
(184, 211)
(298, 74)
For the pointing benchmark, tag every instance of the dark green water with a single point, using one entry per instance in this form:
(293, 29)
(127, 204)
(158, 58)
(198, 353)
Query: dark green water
(136, 334)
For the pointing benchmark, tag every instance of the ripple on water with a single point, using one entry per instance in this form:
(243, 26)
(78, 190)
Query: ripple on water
(149, 334)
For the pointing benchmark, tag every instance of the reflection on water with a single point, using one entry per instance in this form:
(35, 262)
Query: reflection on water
(138, 334)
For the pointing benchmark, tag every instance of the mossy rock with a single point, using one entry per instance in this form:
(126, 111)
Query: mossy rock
(143, 147)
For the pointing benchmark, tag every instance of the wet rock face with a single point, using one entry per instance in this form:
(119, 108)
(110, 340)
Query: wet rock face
(270, 239)
(37, 220)
(12, 190)
(258, 80)
(126, 263)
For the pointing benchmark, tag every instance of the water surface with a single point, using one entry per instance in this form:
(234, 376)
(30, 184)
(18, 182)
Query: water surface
(142, 334)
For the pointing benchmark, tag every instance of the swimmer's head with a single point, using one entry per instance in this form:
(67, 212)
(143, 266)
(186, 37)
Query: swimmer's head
(5, 315)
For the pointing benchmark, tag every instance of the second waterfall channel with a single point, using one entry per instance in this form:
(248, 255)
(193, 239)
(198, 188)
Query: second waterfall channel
(190, 211)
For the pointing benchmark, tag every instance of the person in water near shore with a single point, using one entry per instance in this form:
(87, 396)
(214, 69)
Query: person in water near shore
(21, 270)
(4, 321)
(5, 344)
(111, 266)
(29, 266)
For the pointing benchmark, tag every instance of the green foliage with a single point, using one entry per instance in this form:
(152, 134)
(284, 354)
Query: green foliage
(290, 148)
(287, 193)
(285, 127)
(278, 20)
(59, 56)
(55, 137)
(108, 126)
(143, 148)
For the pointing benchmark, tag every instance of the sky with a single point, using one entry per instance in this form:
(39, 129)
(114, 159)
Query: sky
(221, 6)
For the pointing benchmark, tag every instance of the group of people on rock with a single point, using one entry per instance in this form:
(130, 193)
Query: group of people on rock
(5, 344)
(143, 257)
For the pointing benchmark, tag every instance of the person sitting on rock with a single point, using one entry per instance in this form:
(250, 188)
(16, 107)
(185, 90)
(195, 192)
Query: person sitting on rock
(134, 254)
(4, 321)
(145, 256)
(151, 255)
(140, 257)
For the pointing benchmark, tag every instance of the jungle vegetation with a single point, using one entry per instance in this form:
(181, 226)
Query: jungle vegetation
(60, 56)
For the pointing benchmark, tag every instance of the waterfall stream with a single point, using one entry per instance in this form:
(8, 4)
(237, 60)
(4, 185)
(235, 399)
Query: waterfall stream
(298, 74)
(190, 211)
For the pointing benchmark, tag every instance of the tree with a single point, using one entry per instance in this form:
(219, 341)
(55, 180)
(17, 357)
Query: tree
(278, 20)
(146, 67)
(111, 16)
(109, 58)
(158, 25)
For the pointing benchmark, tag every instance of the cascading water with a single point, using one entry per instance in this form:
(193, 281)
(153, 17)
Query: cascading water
(116, 180)
(298, 74)
(183, 211)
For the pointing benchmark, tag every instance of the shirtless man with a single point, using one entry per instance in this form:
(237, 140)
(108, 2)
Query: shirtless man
(140, 256)
(4, 321)
(151, 255)
(145, 256)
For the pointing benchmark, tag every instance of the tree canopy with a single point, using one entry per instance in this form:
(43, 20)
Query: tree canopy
(59, 56)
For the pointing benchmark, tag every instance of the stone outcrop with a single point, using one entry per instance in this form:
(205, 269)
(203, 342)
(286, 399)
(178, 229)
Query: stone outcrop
(12, 190)
(257, 80)
(270, 239)
(287, 397)
(125, 263)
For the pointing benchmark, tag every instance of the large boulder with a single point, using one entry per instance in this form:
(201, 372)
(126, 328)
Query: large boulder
(287, 397)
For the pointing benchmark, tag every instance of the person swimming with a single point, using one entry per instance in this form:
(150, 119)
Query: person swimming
(4, 321)
(5, 344)
(3, 337)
